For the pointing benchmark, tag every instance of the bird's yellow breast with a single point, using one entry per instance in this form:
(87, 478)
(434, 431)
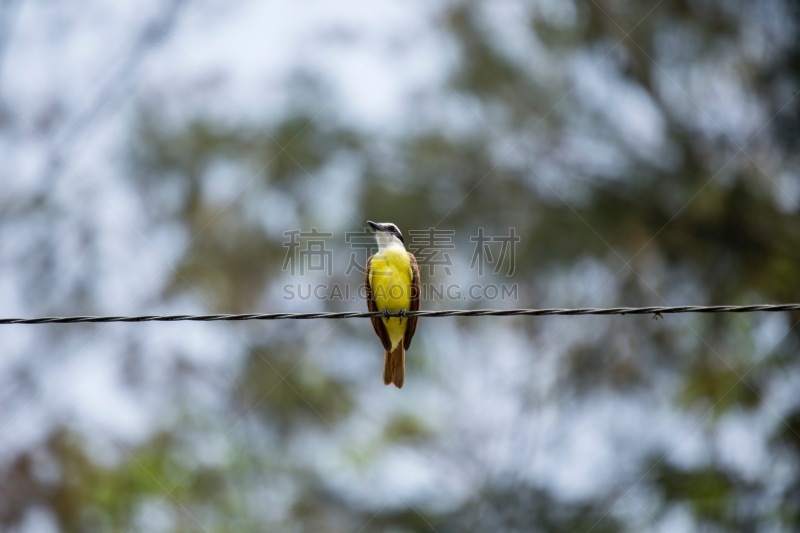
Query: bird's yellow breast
(390, 278)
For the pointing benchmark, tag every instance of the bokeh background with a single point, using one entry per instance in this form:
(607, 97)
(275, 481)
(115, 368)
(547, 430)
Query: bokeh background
(156, 153)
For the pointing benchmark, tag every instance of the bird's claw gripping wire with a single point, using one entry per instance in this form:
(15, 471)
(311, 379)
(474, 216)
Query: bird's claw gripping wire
(402, 315)
(386, 314)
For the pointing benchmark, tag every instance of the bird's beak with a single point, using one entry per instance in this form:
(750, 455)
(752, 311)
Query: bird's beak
(375, 225)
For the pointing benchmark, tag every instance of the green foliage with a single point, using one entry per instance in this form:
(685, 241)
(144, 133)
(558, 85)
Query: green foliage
(710, 493)
(718, 387)
(290, 393)
(407, 428)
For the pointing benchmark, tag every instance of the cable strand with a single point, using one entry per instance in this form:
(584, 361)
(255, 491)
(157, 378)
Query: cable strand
(428, 314)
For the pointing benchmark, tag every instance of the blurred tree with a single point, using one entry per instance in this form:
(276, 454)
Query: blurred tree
(644, 154)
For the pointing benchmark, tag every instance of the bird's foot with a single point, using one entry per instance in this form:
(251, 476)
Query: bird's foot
(402, 315)
(386, 314)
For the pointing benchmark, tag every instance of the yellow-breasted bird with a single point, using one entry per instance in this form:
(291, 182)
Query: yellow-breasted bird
(392, 282)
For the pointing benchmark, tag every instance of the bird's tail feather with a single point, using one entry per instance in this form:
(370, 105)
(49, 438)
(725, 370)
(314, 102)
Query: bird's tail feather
(394, 366)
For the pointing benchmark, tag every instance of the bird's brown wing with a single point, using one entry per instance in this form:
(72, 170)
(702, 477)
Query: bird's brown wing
(377, 322)
(411, 328)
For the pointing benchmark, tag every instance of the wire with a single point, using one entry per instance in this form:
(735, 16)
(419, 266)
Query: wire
(655, 311)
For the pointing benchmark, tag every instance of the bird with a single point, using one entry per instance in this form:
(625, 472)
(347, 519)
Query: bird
(392, 283)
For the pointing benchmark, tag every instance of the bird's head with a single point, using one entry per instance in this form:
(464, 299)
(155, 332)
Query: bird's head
(387, 234)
